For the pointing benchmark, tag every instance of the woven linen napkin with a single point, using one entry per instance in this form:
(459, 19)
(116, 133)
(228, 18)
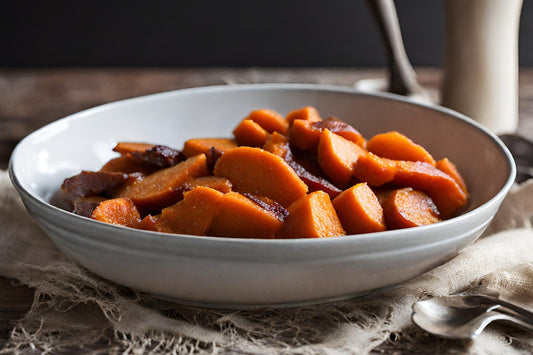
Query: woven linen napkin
(74, 309)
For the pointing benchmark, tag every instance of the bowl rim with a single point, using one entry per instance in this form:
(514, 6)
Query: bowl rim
(391, 234)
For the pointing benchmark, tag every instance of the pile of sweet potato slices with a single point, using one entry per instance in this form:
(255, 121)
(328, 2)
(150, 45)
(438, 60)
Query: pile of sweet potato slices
(298, 176)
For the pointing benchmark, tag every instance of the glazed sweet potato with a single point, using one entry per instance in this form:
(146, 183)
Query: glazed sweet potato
(312, 216)
(307, 113)
(446, 166)
(270, 120)
(240, 217)
(359, 210)
(443, 190)
(396, 146)
(296, 176)
(305, 134)
(337, 156)
(161, 189)
(119, 211)
(197, 146)
(129, 147)
(214, 182)
(192, 215)
(256, 171)
(406, 208)
(250, 133)
(278, 144)
(374, 170)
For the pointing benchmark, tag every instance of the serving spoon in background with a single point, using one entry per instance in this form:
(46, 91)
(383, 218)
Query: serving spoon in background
(402, 81)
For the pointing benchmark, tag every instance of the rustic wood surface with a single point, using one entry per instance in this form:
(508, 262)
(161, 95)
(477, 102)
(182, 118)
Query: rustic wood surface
(31, 98)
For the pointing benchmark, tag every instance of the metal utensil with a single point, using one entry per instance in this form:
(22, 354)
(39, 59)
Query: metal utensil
(465, 317)
(402, 76)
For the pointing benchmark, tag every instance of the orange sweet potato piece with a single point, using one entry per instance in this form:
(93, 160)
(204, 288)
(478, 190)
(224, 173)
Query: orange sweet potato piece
(304, 135)
(446, 166)
(197, 146)
(270, 120)
(149, 223)
(250, 133)
(256, 171)
(337, 156)
(359, 210)
(312, 216)
(343, 129)
(443, 189)
(128, 165)
(374, 170)
(162, 188)
(307, 113)
(406, 208)
(119, 211)
(192, 215)
(240, 217)
(130, 147)
(215, 182)
(277, 144)
(394, 145)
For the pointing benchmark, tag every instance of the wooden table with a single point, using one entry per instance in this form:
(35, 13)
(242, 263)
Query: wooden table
(31, 98)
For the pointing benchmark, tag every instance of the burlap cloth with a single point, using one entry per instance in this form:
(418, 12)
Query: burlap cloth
(74, 309)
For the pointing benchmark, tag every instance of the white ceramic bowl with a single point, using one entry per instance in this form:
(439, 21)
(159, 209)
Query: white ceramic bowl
(250, 272)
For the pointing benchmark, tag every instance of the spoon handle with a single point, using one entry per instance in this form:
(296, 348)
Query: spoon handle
(517, 319)
(402, 75)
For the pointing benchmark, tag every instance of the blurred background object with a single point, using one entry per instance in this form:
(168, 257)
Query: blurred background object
(219, 33)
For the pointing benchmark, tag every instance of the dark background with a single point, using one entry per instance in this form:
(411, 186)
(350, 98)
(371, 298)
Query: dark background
(219, 33)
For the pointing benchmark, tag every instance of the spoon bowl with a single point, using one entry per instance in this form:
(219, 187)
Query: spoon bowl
(465, 317)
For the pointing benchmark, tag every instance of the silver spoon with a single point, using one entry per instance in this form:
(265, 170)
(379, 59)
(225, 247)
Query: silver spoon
(465, 317)
(402, 76)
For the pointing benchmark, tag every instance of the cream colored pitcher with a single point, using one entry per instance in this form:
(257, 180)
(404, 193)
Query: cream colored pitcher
(480, 76)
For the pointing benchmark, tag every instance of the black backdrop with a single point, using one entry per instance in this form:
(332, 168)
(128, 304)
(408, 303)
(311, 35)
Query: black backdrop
(219, 33)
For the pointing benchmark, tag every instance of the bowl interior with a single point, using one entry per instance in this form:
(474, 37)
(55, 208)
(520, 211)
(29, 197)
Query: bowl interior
(84, 140)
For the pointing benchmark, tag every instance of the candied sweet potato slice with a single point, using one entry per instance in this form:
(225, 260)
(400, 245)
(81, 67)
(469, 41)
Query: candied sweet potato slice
(240, 217)
(277, 144)
(197, 146)
(192, 215)
(162, 188)
(130, 147)
(343, 129)
(304, 135)
(446, 166)
(307, 113)
(443, 189)
(119, 211)
(215, 182)
(359, 210)
(394, 145)
(128, 165)
(374, 170)
(406, 208)
(250, 133)
(312, 216)
(270, 120)
(256, 171)
(337, 156)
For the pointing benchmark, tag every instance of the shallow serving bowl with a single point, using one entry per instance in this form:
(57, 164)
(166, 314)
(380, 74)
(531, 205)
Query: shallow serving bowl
(251, 272)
